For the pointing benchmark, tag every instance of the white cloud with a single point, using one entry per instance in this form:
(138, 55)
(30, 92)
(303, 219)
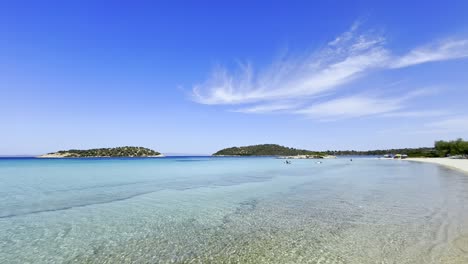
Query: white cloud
(371, 104)
(451, 124)
(422, 113)
(268, 108)
(292, 82)
(353, 106)
(446, 50)
(368, 105)
(338, 63)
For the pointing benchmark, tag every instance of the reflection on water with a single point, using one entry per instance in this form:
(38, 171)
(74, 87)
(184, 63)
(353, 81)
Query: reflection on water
(231, 210)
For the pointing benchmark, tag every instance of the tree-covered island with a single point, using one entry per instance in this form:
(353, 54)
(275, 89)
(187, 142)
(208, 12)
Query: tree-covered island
(126, 151)
(266, 150)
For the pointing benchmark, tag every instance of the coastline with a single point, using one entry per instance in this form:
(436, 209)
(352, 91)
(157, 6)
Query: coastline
(456, 164)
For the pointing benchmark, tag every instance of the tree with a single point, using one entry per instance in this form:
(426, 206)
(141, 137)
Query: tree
(453, 147)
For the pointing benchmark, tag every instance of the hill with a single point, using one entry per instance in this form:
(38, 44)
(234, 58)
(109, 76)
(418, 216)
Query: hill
(104, 152)
(264, 150)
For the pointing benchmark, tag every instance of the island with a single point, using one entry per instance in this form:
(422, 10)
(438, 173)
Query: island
(269, 150)
(126, 151)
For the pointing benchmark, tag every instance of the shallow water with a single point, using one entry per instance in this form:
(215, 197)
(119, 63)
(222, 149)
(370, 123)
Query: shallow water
(228, 210)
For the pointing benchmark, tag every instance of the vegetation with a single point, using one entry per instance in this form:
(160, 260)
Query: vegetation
(264, 150)
(441, 148)
(277, 150)
(108, 152)
(452, 148)
(411, 152)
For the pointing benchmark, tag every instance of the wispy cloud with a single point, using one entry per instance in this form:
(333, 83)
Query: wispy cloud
(359, 105)
(450, 124)
(444, 125)
(269, 107)
(341, 61)
(293, 84)
(354, 106)
(444, 50)
(420, 113)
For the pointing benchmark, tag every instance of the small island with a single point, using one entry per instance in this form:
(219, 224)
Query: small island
(126, 151)
(269, 150)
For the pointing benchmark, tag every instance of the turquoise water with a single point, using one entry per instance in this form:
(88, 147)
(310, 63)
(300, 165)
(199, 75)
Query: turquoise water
(231, 210)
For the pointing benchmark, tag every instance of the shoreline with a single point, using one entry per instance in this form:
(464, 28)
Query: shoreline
(455, 164)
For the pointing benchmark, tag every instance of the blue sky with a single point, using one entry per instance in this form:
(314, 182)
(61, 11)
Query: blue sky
(194, 77)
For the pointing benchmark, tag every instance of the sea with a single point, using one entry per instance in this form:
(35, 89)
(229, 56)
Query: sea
(231, 210)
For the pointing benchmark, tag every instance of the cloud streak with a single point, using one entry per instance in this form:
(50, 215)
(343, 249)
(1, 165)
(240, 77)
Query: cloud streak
(454, 124)
(421, 113)
(441, 51)
(269, 108)
(348, 107)
(450, 124)
(292, 84)
(359, 105)
(338, 63)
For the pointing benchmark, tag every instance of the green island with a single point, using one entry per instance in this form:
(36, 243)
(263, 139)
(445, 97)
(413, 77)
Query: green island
(441, 148)
(126, 151)
(266, 150)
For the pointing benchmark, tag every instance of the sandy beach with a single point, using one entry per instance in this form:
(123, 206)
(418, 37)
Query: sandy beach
(458, 164)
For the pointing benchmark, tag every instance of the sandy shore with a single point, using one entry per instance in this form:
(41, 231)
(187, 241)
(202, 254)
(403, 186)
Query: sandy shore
(458, 164)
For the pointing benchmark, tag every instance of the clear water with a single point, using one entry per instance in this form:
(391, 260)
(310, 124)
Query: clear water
(231, 210)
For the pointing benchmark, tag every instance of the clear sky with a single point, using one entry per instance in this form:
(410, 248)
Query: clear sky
(197, 76)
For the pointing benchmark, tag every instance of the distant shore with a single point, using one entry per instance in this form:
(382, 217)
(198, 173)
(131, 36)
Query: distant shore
(457, 164)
